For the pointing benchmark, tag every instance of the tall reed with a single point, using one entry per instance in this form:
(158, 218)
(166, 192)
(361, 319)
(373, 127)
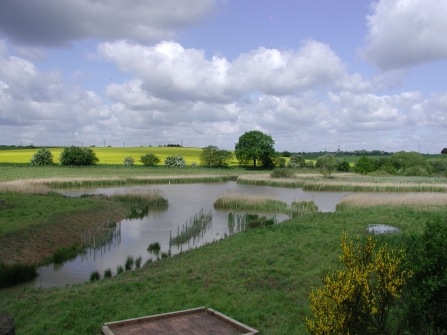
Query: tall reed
(250, 201)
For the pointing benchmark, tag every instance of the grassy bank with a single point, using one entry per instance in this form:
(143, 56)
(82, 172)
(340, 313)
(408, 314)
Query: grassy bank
(260, 277)
(33, 227)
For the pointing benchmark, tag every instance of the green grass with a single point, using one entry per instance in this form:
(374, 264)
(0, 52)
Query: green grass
(261, 277)
(33, 210)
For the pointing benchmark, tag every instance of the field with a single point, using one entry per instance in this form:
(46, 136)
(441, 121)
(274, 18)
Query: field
(110, 155)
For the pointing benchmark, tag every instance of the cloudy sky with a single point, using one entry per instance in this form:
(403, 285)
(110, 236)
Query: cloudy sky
(314, 74)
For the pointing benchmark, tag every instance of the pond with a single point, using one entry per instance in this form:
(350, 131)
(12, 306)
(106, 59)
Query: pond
(185, 201)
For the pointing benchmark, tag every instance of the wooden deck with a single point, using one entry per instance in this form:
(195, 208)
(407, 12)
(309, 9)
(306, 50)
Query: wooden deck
(197, 321)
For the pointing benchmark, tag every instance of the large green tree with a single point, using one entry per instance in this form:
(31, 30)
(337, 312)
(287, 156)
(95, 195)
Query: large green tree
(255, 147)
(78, 156)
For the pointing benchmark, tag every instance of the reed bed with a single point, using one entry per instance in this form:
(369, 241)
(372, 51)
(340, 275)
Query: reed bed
(24, 187)
(241, 222)
(303, 207)
(141, 198)
(346, 186)
(11, 275)
(392, 199)
(250, 201)
(196, 228)
(180, 179)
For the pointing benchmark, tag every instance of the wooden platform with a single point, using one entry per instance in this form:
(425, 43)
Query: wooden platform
(197, 321)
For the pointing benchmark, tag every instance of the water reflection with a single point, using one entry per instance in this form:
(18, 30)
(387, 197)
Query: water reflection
(143, 227)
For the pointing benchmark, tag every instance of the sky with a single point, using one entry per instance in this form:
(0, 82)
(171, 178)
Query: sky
(315, 75)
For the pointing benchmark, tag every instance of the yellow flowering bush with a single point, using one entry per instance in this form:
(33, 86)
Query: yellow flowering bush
(357, 298)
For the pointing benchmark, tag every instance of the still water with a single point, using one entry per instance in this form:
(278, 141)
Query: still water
(185, 201)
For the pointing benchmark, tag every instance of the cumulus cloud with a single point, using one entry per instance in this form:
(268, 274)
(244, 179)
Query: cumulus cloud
(169, 71)
(404, 33)
(55, 23)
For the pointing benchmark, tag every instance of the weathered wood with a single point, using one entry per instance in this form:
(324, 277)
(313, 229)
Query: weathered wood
(197, 321)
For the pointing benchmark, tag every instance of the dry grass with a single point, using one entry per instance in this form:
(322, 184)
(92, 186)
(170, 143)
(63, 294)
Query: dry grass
(24, 187)
(393, 199)
(250, 201)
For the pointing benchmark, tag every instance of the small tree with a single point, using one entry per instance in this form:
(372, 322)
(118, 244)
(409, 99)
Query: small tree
(212, 156)
(175, 161)
(357, 298)
(364, 165)
(326, 164)
(78, 156)
(128, 161)
(296, 161)
(342, 165)
(42, 157)
(444, 151)
(150, 159)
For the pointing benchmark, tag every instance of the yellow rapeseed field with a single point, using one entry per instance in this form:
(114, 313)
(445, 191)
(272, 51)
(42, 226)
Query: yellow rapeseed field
(111, 155)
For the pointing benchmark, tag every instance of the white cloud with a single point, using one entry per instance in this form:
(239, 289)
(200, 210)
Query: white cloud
(404, 33)
(58, 23)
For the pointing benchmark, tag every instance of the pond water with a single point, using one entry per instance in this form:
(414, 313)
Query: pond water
(381, 229)
(185, 201)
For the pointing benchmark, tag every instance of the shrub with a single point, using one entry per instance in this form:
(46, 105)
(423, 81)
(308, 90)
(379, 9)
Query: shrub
(42, 157)
(364, 165)
(108, 273)
(326, 164)
(193, 164)
(78, 156)
(296, 161)
(282, 173)
(342, 165)
(128, 161)
(417, 171)
(119, 269)
(150, 159)
(175, 161)
(15, 274)
(129, 263)
(94, 276)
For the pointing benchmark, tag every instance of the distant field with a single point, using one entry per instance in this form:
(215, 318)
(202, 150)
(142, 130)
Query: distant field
(110, 155)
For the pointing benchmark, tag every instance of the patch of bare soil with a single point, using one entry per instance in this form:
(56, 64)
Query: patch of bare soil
(38, 243)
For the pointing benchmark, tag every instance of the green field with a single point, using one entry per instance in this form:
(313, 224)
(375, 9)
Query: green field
(110, 155)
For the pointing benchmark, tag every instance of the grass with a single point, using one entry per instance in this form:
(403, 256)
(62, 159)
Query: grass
(250, 201)
(261, 277)
(15, 274)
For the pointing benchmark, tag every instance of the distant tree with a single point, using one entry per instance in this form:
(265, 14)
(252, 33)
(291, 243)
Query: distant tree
(286, 154)
(128, 161)
(342, 165)
(42, 157)
(175, 161)
(364, 165)
(150, 159)
(78, 156)
(296, 161)
(255, 147)
(212, 156)
(444, 151)
(326, 164)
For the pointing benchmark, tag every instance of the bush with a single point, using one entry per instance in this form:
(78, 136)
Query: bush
(119, 269)
(42, 157)
(296, 161)
(364, 165)
(417, 171)
(78, 156)
(149, 159)
(94, 276)
(326, 164)
(175, 161)
(193, 164)
(128, 161)
(108, 273)
(282, 173)
(15, 274)
(342, 165)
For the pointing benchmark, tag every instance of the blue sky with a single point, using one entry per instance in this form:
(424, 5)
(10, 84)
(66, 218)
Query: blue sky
(314, 75)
